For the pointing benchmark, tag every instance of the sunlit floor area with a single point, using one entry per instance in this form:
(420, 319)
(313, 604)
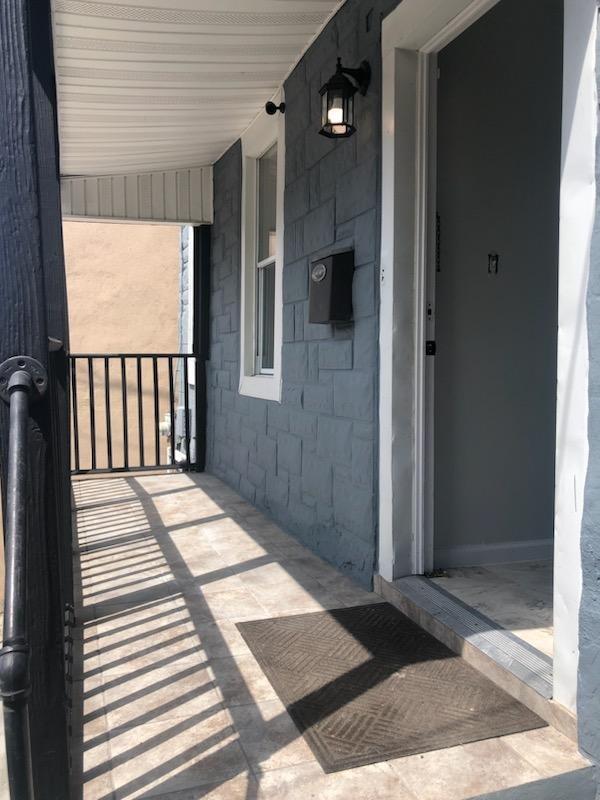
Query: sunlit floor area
(518, 596)
(168, 701)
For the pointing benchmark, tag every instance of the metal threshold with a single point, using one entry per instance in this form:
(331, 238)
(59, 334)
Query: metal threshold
(517, 666)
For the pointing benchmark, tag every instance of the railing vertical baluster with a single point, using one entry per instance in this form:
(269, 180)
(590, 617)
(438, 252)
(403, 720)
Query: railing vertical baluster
(186, 398)
(156, 411)
(75, 411)
(125, 421)
(140, 404)
(199, 412)
(107, 407)
(186, 390)
(92, 410)
(172, 409)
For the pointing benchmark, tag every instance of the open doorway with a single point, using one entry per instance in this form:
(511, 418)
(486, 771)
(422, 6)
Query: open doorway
(493, 300)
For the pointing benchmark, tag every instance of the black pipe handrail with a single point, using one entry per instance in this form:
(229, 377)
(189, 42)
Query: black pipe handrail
(22, 380)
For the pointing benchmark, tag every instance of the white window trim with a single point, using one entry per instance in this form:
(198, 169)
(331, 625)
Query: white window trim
(264, 132)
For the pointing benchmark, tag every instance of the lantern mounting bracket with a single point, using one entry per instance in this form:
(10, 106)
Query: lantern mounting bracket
(360, 74)
(271, 108)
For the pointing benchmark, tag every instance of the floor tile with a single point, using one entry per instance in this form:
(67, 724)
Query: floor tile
(240, 680)
(221, 639)
(237, 603)
(160, 695)
(165, 757)
(309, 782)
(172, 703)
(242, 787)
(471, 770)
(269, 737)
(547, 750)
(91, 773)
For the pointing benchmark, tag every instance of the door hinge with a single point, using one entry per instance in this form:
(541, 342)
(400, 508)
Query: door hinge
(430, 347)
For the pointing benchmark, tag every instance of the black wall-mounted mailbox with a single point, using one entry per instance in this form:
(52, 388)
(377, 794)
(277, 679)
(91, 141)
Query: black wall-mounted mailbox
(330, 294)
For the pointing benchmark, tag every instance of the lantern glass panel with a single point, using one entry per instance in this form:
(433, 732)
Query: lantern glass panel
(335, 112)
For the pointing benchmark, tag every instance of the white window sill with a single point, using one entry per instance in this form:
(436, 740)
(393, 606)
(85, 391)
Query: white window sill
(263, 387)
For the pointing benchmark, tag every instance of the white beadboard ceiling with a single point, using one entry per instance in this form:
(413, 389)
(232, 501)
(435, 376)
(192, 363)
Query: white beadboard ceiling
(172, 84)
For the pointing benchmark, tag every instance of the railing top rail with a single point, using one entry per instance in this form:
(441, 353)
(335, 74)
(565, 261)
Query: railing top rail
(133, 355)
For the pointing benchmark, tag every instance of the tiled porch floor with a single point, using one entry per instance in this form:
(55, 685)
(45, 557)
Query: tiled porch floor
(175, 706)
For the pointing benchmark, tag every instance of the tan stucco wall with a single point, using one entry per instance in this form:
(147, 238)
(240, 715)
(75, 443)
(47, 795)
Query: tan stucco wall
(123, 294)
(123, 286)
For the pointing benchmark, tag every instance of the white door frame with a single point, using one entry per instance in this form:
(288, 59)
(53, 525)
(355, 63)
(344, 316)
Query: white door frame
(411, 37)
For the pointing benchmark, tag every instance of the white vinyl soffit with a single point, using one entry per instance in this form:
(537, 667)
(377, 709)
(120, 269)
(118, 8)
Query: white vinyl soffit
(170, 85)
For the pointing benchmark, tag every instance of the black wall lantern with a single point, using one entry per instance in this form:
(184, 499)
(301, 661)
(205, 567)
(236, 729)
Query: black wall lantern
(337, 99)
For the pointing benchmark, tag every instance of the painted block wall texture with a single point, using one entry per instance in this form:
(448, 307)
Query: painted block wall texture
(588, 686)
(310, 461)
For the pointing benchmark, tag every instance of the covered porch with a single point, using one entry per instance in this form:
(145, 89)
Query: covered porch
(314, 431)
(169, 701)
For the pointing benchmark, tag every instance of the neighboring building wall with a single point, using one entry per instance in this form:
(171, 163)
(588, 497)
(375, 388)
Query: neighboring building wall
(123, 295)
(311, 460)
(123, 286)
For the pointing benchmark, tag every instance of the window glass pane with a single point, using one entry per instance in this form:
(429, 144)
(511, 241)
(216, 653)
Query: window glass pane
(266, 286)
(267, 203)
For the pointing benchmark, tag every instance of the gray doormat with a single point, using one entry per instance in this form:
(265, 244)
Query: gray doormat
(366, 684)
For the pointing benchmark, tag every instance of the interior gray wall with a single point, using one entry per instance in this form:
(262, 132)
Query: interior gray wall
(311, 460)
(499, 125)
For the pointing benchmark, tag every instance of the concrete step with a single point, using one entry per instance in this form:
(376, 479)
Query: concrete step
(522, 672)
(515, 666)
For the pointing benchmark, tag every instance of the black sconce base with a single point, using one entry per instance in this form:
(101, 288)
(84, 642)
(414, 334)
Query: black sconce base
(362, 76)
(271, 108)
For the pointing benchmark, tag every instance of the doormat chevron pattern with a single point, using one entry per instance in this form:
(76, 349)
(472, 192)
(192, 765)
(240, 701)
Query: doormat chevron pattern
(365, 684)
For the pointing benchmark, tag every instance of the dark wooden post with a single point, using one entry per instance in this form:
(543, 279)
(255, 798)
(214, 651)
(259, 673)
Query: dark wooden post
(33, 310)
(200, 307)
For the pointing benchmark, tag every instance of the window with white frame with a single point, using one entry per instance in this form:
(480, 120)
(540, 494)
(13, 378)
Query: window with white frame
(262, 257)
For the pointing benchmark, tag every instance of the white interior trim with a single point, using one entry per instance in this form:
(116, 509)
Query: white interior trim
(577, 212)
(265, 131)
(411, 36)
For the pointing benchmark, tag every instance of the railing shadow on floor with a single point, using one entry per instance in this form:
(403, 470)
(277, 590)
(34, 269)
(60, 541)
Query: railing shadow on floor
(146, 652)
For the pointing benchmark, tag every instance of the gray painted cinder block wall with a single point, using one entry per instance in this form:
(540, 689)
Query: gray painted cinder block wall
(311, 460)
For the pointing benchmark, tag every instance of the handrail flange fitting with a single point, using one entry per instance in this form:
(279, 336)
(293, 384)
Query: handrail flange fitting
(10, 378)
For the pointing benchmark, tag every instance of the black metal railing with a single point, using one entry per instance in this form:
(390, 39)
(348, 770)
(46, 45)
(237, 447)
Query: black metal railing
(22, 381)
(136, 411)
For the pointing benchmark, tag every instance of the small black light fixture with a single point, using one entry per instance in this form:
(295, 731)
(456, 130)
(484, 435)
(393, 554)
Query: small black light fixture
(337, 99)
(271, 108)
